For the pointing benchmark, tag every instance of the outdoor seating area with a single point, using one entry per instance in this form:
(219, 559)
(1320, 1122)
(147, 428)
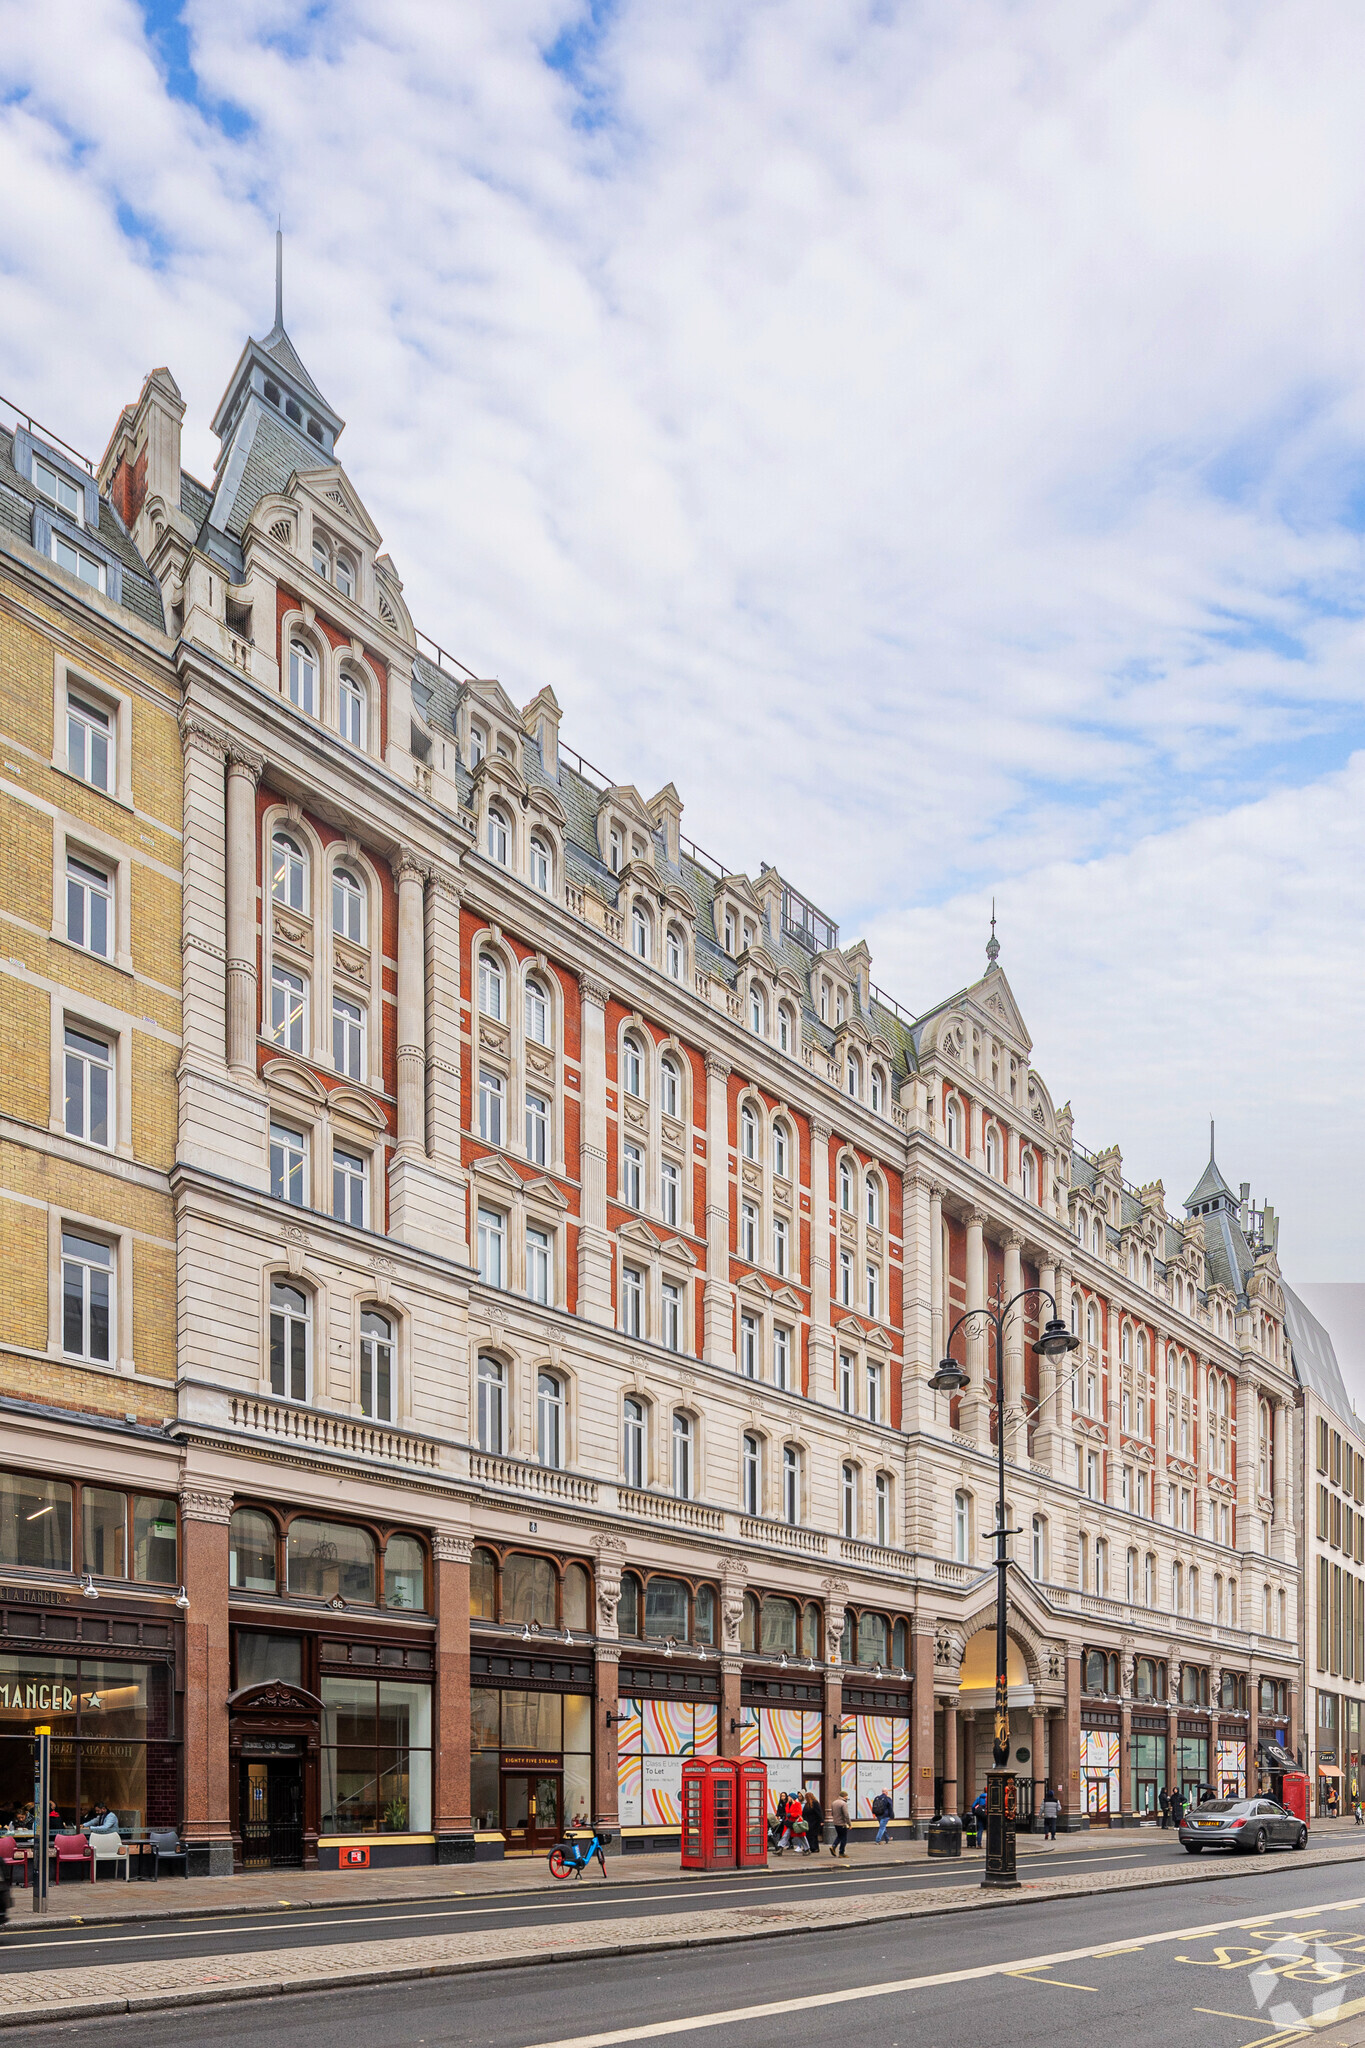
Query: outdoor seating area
(102, 1853)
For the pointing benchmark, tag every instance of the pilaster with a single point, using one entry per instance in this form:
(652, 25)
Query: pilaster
(594, 1243)
(718, 1322)
(453, 1822)
(205, 1515)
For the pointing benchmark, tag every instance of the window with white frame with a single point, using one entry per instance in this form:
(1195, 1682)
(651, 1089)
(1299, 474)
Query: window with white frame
(784, 1028)
(633, 1441)
(350, 1187)
(669, 1089)
(89, 1087)
(874, 1290)
(874, 1392)
(730, 933)
(883, 1508)
(615, 849)
(781, 1161)
(631, 1163)
(537, 1128)
(639, 932)
(781, 1232)
(672, 1310)
(541, 865)
(847, 1382)
(376, 1366)
(303, 676)
(348, 1038)
(77, 562)
(288, 1008)
(675, 953)
(1039, 1558)
(291, 1340)
(87, 1297)
(748, 1231)
(89, 742)
(748, 1345)
(539, 1264)
(491, 992)
(1141, 1491)
(952, 1125)
(846, 1187)
(1030, 1178)
(322, 558)
(682, 1455)
(345, 576)
(873, 1195)
(1092, 1475)
(490, 1106)
(782, 1348)
(992, 1152)
(748, 1131)
(69, 496)
(492, 1247)
(289, 1165)
(351, 708)
(550, 1420)
(1149, 1579)
(757, 1021)
(478, 745)
(855, 1076)
(499, 835)
(791, 1484)
(751, 1475)
(848, 1501)
(961, 1526)
(288, 872)
(878, 1087)
(632, 1301)
(633, 1067)
(537, 1008)
(670, 1185)
(89, 907)
(846, 1279)
(492, 1415)
(348, 906)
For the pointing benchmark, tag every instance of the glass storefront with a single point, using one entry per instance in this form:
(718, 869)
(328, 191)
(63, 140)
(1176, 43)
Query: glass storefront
(1100, 1773)
(1191, 1764)
(1149, 1771)
(1230, 1767)
(553, 1728)
(112, 1739)
(376, 1756)
(654, 1739)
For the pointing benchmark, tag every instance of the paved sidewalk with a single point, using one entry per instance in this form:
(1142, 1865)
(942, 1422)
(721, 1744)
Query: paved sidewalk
(36, 1996)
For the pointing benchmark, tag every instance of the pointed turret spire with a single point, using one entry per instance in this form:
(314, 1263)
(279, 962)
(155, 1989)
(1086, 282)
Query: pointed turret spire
(992, 943)
(279, 274)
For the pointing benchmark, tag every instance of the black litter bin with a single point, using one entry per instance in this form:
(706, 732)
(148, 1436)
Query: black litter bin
(945, 1835)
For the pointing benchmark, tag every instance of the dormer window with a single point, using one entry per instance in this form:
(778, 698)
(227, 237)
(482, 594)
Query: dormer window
(293, 411)
(824, 1002)
(615, 849)
(839, 1011)
(730, 931)
(59, 488)
(499, 838)
(322, 561)
(540, 866)
(855, 1078)
(345, 577)
(639, 933)
(478, 745)
(351, 708)
(877, 1090)
(784, 1029)
(77, 563)
(675, 953)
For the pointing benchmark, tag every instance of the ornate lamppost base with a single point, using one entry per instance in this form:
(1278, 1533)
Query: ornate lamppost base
(1002, 1810)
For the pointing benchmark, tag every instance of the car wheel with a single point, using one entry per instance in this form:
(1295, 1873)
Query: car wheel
(1192, 1848)
(1260, 1842)
(1301, 1839)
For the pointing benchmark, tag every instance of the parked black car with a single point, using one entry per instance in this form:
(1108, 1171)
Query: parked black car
(1251, 1824)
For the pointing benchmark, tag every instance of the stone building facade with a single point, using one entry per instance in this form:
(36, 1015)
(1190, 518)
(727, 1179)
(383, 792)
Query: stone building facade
(566, 1232)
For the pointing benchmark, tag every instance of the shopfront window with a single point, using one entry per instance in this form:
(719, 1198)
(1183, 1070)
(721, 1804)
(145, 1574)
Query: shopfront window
(251, 1551)
(404, 1573)
(528, 1589)
(104, 1532)
(155, 1552)
(704, 1615)
(483, 1585)
(575, 1597)
(376, 1756)
(777, 1630)
(327, 1559)
(35, 1522)
(505, 1728)
(871, 1639)
(262, 1656)
(666, 1608)
(112, 1741)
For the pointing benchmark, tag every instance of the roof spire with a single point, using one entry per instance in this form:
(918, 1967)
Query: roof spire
(279, 273)
(992, 943)
(1210, 1137)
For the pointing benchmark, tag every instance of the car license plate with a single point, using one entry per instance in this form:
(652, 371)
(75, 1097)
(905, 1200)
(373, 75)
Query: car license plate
(1208, 1823)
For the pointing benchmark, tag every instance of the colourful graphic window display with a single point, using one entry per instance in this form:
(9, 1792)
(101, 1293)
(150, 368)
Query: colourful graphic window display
(787, 1739)
(654, 1738)
(876, 1758)
(1100, 1771)
(1230, 1769)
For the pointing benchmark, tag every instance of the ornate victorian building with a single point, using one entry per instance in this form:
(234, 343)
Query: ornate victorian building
(567, 1229)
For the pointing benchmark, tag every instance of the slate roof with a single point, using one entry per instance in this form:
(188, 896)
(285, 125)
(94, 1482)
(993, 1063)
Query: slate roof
(1315, 1360)
(141, 591)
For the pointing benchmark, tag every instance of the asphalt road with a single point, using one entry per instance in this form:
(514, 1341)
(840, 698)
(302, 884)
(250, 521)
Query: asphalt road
(1232, 1965)
(26, 1944)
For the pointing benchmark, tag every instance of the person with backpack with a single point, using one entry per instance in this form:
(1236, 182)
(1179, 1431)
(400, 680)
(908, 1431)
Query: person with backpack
(882, 1811)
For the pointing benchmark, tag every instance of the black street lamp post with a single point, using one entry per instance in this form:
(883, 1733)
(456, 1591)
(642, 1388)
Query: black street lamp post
(1001, 1790)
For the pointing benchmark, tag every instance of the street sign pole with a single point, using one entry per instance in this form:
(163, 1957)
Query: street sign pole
(42, 1802)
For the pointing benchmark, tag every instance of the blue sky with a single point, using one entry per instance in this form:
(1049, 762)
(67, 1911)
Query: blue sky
(934, 438)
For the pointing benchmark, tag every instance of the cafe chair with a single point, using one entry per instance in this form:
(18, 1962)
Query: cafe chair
(106, 1847)
(164, 1846)
(69, 1849)
(10, 1855)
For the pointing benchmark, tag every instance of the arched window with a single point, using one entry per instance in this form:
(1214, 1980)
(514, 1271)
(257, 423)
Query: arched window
(1146, 1269)
(345, 576)
(784, 1028)
(748, 1131)
(777, 1627)
(348, 906)
(291, 1341)
(376, 1366)
(491, 994)
(550, 1420)
(330, 1560)
(1039, 1533)
(878, 1090)
(303, 676)
(1194, 1589)
(883, 1511)
(900, 1646)
(639, 933)
(404, 1573)
(1177, 1589)
(993, 1152)
(855, 1076)
(352, 708)
(541, 867)
(633, 1068)
(1096, 1237)
(628, 1611)
(871, 1639)
(757, 1019)
(537, 1014)
(288, 872)
(1092, 1325)
(751, 1475)
(848, 1515)
(953, 1125)
(322, 557)
(492, 1405)
(1030, 1178)
(961, 1526)
(791, 1483)
(633, 1441)
(499, 836)
(669, 1087)
(675, 953)
(529, 1587)
(251, 1552)
(873, 1195)
(574, 1597)
(846, 1187)
(1125, 1346)
(682, 1455)
(781, 1151)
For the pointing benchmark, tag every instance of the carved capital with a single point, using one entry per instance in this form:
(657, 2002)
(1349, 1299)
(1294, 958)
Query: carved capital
(196, 732)
(591, 990)
(445, 885)
(199, 1504)
(820, 1132)
(717, 1067)
(244, 760)
(978, 1217)
(1014, 1240)
(447, 1548)
(408, 867)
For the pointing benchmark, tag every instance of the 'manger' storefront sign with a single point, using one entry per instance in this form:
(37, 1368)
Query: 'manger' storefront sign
(28, 1696)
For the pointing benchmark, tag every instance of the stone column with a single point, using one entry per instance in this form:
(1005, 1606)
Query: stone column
(605, 1781)
(1110, 1375)
(717, 1312)
(1126, 1750)
(1172, 1728)
(1071, 1784)
(1016, 1435)
(243, 999)
(922, 1723)
(443, 1017)
(821, 1334)
(203, 935)
(452, 1820)
(412, 1007)
(951, 1796)
(594, 1244)
(731, 1704)
(966, 1762)
(1047, 1436)
(1038, 1761)
(1248, 1507)
(937, 1297)
(1282, 1543)
(979, 1346)
(204, 1518)
(1253, 1732)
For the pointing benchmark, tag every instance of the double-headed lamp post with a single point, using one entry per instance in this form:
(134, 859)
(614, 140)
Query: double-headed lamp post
(1055, 1342)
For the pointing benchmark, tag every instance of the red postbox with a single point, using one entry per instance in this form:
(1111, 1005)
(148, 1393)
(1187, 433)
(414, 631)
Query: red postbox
(724, 1813)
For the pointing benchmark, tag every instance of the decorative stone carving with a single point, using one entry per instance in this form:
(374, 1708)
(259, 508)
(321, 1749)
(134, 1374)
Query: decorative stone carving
(196, 733)
(591, 990)
(244, 760)
(448, 1548)
(201, 1504)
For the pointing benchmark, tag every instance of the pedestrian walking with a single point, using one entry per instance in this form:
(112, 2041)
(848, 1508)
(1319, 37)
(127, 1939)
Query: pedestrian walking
(1177, 1807)
(1051, 1809)
(796, 1825)
(838, 1813)
(882, 1811)
(1164, 1802)
(815, 1821)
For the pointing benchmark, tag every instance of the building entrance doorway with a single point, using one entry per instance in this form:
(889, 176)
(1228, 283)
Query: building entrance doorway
(531, 1818)
(1097, 1798)
(270, 1803)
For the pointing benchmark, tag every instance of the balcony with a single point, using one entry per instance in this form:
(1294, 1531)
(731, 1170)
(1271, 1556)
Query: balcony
(307, 1429)
(785, 1535)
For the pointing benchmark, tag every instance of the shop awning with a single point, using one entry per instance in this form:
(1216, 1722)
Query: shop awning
(1328, 1771)
(1272, 1757)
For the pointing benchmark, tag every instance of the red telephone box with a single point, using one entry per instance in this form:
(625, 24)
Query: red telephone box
(724, 1813)
(1294, 1793)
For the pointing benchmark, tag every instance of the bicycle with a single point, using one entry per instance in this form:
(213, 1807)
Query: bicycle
(573, 1858)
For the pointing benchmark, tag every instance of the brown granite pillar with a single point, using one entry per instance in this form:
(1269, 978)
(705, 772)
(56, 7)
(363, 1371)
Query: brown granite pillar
(605, 1782)
(1253, 1735)
(921, 1726)
(1126, 1763)
(452, 1819)
(966, 1763)
(204, 1519)
(1072, 1801)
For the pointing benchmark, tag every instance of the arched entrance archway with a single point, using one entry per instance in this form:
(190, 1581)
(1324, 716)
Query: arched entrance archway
(976, 1707)
(273, 1731)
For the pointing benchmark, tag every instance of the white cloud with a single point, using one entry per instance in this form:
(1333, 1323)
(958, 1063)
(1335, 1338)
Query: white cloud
(931, 436)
